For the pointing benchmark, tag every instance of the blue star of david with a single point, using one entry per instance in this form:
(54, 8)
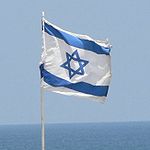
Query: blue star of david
(75, 57)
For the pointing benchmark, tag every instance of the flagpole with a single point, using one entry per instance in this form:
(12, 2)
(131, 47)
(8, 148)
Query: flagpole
(42, 119)
(42, 93)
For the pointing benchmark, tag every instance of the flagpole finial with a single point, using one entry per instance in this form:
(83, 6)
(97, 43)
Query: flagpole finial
(43, 13)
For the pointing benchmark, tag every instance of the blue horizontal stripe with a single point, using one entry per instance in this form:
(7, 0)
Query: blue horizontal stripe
(75, 41)
(80, 86)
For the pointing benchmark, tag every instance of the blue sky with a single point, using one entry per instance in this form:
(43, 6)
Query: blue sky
(125, 23)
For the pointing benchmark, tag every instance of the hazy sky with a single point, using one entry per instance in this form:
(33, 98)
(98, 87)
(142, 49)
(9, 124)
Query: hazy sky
(127, 25)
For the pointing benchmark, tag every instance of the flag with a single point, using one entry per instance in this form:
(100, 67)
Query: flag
(74, 64)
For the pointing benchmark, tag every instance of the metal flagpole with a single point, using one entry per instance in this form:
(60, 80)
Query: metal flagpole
(42, 93)
(42, 119)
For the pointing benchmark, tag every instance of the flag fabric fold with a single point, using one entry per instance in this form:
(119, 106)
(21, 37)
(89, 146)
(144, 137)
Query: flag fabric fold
(74, 64)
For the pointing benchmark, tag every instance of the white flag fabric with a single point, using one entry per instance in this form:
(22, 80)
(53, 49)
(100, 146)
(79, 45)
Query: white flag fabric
(74, 64)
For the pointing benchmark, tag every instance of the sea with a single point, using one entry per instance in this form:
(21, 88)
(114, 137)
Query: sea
(77, 136)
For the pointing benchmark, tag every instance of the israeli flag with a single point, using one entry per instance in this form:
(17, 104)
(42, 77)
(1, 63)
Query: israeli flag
(74, 64)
